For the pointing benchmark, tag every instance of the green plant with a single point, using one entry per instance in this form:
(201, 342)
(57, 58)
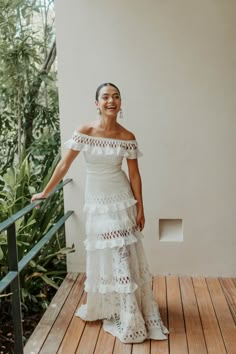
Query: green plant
(28, 74)
(48, 268)
(30, 140)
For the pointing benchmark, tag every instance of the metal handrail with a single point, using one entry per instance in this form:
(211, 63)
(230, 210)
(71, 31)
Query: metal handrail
(12, 277)
(6, 223)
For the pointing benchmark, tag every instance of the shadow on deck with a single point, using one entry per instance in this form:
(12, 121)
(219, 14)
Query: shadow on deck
(200, 314)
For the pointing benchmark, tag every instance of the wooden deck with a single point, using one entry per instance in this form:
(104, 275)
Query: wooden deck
(199, 312)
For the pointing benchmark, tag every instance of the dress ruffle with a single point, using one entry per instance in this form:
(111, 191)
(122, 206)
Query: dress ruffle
(92, 245)
(109, 288)
(103, 146)
(109, 208)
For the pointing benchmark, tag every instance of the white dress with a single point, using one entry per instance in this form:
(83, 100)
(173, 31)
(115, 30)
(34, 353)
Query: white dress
(118, 281)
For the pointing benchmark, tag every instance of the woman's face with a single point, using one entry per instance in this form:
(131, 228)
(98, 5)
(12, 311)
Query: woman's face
(109, 101)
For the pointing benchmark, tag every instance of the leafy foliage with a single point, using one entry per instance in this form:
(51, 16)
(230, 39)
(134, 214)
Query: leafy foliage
(30, 140)
(28, 91)
(49, 266)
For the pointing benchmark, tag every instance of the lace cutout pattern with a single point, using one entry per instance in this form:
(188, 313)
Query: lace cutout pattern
(104, 199)
(153, 322)
(104, 142)
(123, 270)
(130, 334)
(115, 280)
(118, 234)
(128, 313)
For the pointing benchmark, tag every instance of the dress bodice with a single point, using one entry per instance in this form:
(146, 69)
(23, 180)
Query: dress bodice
(103, 155)
(107, 186)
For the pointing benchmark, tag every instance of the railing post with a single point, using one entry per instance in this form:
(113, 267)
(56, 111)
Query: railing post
(15, 289)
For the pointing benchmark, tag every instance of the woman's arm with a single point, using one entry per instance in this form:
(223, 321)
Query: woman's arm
(58, 174)
(136, 186)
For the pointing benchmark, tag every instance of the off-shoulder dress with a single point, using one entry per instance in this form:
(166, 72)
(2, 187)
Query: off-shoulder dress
(118, 281)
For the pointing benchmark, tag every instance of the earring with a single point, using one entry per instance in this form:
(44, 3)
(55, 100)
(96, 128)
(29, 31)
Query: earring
(98, 112)
(121, 114)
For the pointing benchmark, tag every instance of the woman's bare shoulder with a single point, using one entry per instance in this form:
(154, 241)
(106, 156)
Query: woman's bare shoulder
(86, 128)
(126, 134)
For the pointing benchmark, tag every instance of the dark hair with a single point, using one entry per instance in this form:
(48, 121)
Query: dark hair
(103, 85)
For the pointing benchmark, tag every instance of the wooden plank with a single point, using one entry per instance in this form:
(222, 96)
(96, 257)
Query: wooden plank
(105, 343)
(159, 292)
(195, 336)
(230, 294)
(225, 319)
(214, 340)
(74, 332)
(40, 333)
(142, 348)
(62, 322)
(122, 348)
(177, 336)
(89, 339)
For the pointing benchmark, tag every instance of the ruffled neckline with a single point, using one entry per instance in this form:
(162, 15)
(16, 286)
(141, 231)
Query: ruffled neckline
(103, 138)
(103, 146)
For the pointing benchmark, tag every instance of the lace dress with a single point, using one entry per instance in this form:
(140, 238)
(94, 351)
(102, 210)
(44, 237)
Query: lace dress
(118, 281)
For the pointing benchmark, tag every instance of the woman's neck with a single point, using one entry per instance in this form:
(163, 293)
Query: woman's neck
(108, 123)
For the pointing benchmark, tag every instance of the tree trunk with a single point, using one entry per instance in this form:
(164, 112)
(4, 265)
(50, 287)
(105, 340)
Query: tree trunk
(33, 95)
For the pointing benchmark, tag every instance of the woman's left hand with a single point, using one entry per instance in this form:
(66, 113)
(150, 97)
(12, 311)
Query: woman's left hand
(140, 219)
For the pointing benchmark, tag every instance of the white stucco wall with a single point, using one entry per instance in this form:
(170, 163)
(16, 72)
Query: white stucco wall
(174, 62)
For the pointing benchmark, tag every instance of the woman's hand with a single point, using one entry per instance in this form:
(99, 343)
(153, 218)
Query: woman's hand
(38, 196)
(140, 219)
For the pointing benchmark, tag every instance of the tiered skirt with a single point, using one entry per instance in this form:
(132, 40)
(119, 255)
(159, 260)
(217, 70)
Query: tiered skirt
(118, 281)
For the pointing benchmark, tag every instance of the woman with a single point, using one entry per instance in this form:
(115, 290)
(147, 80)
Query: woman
(118, 282)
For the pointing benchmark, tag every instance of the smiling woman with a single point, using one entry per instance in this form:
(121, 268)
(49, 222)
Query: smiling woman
(118, 283)
(108, 99)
